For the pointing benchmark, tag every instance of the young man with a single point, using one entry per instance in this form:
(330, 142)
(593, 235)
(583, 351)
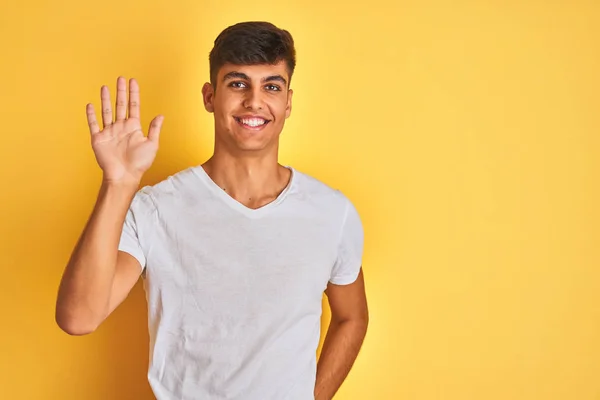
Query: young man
(235, 254)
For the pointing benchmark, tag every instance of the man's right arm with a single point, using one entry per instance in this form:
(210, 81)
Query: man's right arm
(98, 276)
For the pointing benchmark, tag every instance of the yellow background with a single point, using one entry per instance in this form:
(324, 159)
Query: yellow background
(466, 134)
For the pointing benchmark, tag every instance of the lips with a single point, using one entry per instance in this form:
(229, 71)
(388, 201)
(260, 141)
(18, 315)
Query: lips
(252, 122)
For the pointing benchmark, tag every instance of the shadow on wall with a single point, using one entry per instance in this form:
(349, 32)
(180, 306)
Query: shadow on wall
(125, 349)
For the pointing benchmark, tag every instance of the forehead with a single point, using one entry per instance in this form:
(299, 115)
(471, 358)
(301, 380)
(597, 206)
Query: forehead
(255, 71)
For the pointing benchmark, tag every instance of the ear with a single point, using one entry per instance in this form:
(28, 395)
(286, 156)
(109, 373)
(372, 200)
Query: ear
(208, 95)
(288, 107)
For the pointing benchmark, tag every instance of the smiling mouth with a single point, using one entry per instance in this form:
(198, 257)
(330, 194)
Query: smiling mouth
(252, 123)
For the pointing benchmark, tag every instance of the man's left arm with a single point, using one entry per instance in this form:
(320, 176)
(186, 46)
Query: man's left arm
(345, 335)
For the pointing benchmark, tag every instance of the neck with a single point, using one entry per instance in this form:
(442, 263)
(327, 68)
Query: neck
(253, 181)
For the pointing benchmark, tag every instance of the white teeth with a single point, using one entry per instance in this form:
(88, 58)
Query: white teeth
(253, 121)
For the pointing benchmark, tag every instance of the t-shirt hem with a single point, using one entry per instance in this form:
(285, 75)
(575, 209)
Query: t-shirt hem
(135, 254)
(346, 279)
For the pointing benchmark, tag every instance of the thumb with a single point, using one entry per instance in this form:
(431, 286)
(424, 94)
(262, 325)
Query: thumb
(155, 125)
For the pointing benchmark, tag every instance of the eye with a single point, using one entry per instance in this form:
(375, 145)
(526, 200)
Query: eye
(274, 88)
(237, 84)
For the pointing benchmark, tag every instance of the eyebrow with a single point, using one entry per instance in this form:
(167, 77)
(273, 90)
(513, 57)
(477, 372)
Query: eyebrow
(241, 75)
(275, 78)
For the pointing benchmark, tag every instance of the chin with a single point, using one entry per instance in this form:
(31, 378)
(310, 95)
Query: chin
(253, 140)
(253, 145)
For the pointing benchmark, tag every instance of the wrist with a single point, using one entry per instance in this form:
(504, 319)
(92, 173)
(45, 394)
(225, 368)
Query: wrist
(123, 187)
(121, 184)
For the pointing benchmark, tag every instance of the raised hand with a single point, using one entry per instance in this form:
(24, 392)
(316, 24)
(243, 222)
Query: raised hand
(122, 150)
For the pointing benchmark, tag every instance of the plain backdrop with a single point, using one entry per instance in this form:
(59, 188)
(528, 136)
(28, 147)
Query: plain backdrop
(466, 134)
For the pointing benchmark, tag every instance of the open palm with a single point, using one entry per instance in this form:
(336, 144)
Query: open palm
(122, 150)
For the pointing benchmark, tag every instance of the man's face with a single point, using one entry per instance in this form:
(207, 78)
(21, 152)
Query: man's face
(251, 104)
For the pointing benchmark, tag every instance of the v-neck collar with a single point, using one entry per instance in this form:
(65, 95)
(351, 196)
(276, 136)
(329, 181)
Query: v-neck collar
(236, 205)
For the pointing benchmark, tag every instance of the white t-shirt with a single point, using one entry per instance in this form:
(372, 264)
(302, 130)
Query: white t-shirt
(234, 294)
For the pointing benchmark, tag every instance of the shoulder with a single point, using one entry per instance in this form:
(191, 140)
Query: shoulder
(315, 190)
(177, 185)
(331, 205)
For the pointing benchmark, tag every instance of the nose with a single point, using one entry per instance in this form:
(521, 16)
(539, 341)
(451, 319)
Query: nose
(253, 100)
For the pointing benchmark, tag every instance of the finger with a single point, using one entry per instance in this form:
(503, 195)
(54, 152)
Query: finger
(91, 118)
(107, 118)
(154, 131)
(134, 99)
(121, 104)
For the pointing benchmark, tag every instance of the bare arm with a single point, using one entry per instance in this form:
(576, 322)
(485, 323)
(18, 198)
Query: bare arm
(347, 329)
(98, 277)
(86, 286)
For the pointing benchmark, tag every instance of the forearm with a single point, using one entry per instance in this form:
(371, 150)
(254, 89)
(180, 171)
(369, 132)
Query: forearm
(340, 349)
(84, 291)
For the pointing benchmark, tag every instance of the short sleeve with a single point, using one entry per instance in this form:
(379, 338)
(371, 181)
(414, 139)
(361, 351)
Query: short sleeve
(350, 249)
(130, 241)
